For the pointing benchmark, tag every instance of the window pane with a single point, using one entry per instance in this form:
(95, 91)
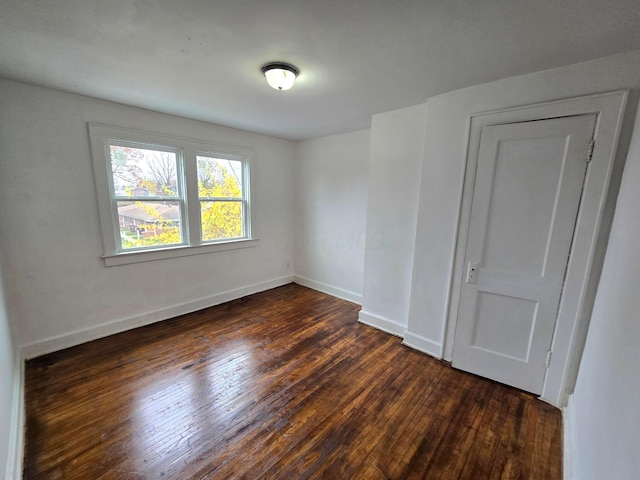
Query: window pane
(140, 172)
(221, 220)
(144, 224)
(218, 177)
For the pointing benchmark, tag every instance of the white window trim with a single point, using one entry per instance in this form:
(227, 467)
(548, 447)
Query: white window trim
(190, 148)
(245, 200)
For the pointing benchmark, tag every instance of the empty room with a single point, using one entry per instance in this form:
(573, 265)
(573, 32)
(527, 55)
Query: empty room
(299, 239)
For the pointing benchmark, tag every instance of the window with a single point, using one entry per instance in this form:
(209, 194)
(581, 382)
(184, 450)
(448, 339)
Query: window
(161, 197)
(220, 192)
(146, 196)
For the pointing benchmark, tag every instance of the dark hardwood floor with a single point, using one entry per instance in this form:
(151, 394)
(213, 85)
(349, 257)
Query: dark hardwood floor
(284, 384)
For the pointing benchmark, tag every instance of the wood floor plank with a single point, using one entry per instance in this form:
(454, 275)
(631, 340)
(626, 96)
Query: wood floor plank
(284, 384)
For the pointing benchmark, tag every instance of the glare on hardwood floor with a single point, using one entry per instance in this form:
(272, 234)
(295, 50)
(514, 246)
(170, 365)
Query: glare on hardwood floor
(284, 384)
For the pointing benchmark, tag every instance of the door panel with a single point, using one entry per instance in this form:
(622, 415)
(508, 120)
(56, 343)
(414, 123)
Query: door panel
(507, 336)
(521, 204)
(526, 197)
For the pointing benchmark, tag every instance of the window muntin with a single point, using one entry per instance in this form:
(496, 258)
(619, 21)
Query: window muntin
(154, 203)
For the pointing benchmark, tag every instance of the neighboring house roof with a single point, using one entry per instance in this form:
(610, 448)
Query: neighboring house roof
(162, 212)
(140, 192)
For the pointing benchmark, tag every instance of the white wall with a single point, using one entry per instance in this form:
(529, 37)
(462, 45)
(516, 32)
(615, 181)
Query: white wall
(395, 159)
(604, 410)
(443, 174)
(63, 293)
(331, 209)
(9, 377)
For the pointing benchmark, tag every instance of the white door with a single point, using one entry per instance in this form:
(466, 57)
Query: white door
(525, 202)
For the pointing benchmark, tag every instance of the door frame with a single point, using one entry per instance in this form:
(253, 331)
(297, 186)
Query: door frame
(587, 253)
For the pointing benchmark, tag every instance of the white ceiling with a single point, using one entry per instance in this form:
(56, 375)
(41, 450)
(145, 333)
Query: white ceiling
(201, 58)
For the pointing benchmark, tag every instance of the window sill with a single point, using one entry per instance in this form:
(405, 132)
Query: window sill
(112, 260)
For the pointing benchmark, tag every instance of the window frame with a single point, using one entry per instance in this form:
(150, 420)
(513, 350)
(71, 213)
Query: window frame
(179, 198)
(187, 150)
(244, 200)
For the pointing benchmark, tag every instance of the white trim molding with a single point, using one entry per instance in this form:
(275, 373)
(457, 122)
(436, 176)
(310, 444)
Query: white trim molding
(137, 256)
(568, 440)
(77, 337)
(381, 323)
(423, 344)
(585, 260)
(16, 427)
(186, 196)
(329, 289)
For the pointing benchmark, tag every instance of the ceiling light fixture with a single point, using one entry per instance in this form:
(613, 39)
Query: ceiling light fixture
(280, 76)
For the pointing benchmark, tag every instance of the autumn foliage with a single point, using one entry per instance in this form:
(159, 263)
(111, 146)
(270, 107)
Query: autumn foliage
(141, 172)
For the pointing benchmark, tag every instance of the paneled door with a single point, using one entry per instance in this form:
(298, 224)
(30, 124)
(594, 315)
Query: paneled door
(526, 198)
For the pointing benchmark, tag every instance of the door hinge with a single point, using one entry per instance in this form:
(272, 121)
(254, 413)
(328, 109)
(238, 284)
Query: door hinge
(590, 150)
(548, 361)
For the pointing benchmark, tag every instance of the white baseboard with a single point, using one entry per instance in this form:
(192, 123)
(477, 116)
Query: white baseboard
(329, 289)
(569, 436)
(423, 344)
(77, 337)
(16, 427)
(381, 323)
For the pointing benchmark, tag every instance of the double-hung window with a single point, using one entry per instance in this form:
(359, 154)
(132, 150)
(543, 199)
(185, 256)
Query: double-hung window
(223, 204)
(147, 200)
(161, 196)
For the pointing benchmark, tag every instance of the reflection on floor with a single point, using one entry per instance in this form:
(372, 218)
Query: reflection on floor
(284, 384)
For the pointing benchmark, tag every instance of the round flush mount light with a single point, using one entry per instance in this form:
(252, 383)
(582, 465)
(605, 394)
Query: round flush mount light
(280, 76)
